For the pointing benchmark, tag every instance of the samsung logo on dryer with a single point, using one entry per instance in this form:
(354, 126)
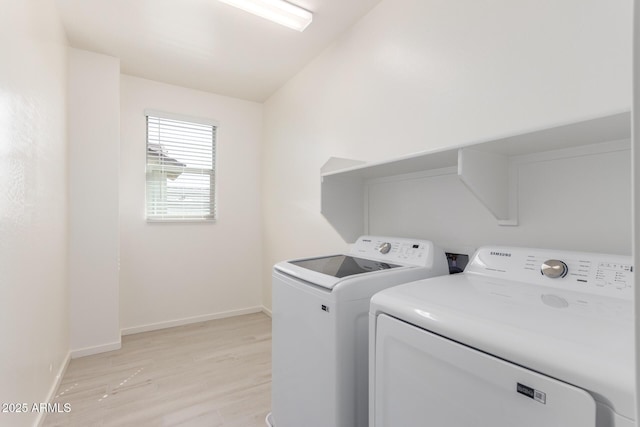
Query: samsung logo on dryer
(500, 253)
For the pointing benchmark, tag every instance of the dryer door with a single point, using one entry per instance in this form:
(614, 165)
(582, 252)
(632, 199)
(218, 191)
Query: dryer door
(422, 379)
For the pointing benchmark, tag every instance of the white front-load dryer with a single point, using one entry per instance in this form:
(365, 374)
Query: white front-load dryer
(320, 327)
(524, 337)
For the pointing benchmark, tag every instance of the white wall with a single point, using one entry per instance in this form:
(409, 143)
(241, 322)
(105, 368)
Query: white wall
(420, 74)
(94, 149)
(175, 272)
(33, 204)
(635, 150)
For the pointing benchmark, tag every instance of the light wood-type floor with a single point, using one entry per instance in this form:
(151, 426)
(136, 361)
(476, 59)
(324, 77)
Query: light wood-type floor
(215, 373)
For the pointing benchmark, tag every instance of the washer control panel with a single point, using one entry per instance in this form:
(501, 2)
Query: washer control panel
(601, 274)
(394, 250)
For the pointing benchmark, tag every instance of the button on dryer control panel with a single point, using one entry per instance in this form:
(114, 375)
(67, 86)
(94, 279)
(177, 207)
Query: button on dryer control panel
(554, 268)
(613, 275)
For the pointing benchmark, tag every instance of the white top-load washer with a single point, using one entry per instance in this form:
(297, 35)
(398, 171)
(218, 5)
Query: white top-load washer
(523, 337)
(320, 327)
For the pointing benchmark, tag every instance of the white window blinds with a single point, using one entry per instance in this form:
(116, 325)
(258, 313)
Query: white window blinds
(180, 168)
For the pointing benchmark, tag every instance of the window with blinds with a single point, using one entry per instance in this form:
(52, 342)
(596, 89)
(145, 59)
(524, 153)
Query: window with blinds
(180, 168)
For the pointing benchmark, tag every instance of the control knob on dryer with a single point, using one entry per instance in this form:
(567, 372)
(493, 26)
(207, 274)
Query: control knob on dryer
(384, 248)
(554, 268)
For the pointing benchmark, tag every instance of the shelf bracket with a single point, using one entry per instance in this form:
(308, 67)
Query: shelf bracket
(489, 177)
(338, 163)
(341, 197)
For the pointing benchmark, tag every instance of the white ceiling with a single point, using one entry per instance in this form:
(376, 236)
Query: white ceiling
(206, 44)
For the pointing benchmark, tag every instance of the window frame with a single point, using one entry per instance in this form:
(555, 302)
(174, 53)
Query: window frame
(213, 181)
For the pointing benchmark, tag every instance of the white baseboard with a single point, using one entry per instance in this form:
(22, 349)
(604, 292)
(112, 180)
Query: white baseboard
(188, 320)
(88, 351)
(54, 388)
(266, 311)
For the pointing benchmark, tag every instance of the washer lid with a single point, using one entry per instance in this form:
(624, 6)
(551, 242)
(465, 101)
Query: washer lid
(327, 271)
(583, 339)
(342, 265)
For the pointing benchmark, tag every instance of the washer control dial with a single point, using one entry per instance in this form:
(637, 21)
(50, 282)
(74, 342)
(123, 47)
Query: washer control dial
(384, 248)
(554, 268)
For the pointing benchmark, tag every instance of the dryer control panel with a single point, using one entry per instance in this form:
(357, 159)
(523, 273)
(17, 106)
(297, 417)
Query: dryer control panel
(395, 250)
(600, 274)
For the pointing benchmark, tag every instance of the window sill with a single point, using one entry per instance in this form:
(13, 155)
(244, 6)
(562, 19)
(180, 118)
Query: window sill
(181, 221)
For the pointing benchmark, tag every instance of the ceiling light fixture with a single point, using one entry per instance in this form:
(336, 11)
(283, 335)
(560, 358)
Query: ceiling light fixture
(278, 11)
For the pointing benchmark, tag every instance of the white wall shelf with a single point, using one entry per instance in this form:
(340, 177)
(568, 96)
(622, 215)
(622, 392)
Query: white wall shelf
(485, 168)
